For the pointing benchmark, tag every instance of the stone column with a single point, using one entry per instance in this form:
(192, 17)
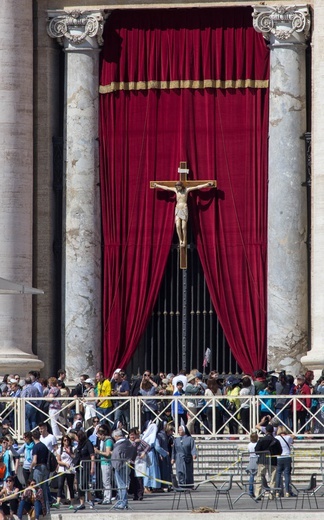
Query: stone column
(287, 29)
(314, 360)
(80, 32)
(16, 193)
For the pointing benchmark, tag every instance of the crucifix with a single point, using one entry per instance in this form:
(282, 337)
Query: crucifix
(181, 188)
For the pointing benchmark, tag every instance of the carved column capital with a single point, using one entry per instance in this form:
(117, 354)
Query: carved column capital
(290, 24)
(76, 27)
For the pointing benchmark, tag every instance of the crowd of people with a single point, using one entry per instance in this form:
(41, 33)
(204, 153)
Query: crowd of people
(195, 409)
(140, 460)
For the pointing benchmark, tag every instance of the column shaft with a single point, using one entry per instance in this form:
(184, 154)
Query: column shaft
(80, 33)
(16, 194)
(286, 28)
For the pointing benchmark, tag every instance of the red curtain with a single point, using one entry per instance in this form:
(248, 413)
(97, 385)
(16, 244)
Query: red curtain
(184, 85)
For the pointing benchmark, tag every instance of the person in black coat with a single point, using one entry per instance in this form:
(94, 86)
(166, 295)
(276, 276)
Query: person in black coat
(267, 448)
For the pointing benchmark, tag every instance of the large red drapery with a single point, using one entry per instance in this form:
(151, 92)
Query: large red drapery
(184, 85)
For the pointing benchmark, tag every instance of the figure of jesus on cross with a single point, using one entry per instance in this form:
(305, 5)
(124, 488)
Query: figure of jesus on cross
(182, 188)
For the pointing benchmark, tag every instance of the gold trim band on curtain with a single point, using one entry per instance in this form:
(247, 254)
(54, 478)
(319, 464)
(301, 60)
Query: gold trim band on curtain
(186, 83)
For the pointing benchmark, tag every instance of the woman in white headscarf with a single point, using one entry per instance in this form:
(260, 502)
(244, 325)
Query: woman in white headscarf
(152, 480)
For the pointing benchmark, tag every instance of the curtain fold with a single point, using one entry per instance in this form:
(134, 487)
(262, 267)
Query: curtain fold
(146, 131)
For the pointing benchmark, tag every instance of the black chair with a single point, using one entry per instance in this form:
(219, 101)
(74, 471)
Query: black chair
(224, 490)
(180, 491)
(308, 492)
(270, 493)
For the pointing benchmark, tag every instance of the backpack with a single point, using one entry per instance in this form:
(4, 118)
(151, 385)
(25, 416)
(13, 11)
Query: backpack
(51, 462)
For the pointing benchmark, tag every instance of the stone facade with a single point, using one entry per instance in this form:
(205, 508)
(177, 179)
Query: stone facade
(288, 311)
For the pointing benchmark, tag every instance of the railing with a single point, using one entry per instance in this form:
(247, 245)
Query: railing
(212, 419)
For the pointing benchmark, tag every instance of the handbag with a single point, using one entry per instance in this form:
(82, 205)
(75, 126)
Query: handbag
(140, 467)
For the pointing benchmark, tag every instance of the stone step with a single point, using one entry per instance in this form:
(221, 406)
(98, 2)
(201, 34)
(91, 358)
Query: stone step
(219, 458)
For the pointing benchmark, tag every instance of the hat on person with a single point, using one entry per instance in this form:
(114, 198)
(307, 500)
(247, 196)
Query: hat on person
(301, 377)
(117, 370)
(89, 380)
(191, 377)
(232, 380)
(170, 376)
(12, 381)
(199, 375)
(269, 428)
(180, 383)
(165, 381)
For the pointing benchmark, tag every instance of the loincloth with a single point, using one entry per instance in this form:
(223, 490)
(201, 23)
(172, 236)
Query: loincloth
(182, 213)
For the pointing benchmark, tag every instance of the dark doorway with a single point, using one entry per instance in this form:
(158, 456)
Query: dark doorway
(183, 324)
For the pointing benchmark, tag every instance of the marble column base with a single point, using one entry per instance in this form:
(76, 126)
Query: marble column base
(15, 361)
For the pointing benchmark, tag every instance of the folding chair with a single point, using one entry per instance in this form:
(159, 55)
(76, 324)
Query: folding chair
(308, 492)
(271, 493)
(179, 491)
(225, 491)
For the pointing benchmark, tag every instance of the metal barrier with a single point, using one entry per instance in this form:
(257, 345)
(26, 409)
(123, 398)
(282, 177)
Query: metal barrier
(212, 419)
(217, 459)
(119, 478)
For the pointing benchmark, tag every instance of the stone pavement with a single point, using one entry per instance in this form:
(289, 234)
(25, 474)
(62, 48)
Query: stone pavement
(161, 503)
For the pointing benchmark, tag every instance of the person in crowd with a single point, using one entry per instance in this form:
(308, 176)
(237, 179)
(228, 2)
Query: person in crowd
(4, 387)
(79, 389)
(267, 447)
(64, 413)
(213, 390)
(153, 476)
(268, 419)
(120, 388)
(61, 377)
(164, 437)
(89, 406)
(32, 500)
(192, 391)
(54, 407)
(93, 428)
(232, 390)
(83, 453)
(27, 451)
(319, 422)
(148, 388)
(31, 407)
(78, 422)
(201, 404)
(5, 428)
(39, 467)
(284, 460)
(66, 470)
(7, 457)
(181, 376)
(103, 390)
(46, 437)
(267, 406)
(246, 390)
(14, 392)
(252, 467)
(123, 452)
(136, 486)
(303, 405)
(177, 406)
(282, 407)
(260, 381)
(104, 451)
(9, 507)
(183, 454)
(35, 376)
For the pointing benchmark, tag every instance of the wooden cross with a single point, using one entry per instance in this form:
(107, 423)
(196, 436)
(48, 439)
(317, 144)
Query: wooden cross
(181, 188)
